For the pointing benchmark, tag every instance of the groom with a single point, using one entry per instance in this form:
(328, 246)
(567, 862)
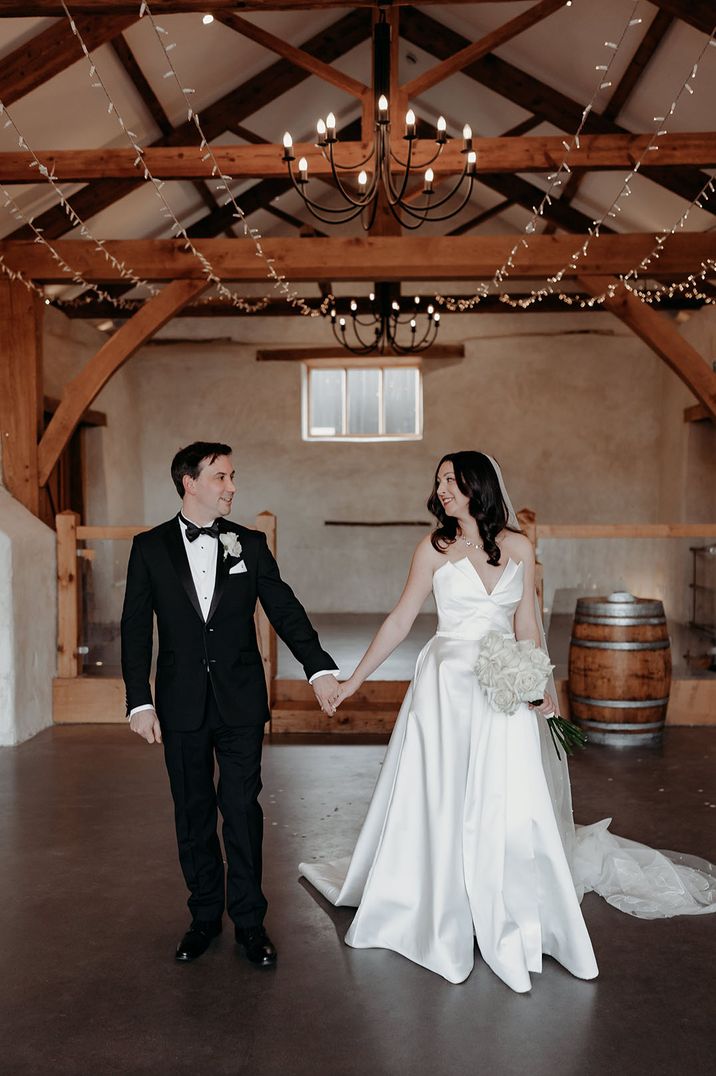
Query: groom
(202, 575)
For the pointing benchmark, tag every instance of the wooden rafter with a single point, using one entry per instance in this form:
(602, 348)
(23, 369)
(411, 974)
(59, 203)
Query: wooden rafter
(52, 51)
(662, 336)
(298, 57)
(697, 13)
(364, 258)
(263, 160)
(252, 95)
(279, 308)
(467, 55)
(537, 97)
(177, 7)
(648, 46)
(82, 389)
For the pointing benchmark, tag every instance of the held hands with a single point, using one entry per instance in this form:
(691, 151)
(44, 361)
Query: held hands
(146, 724)
(330, 693)
(546, 707)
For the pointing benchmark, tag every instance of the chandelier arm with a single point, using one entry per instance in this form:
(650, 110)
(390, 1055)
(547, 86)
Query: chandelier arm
(442, 201)
(349, 167)
(341, 338)
(359, 203)
(316, 207)
(418, 164)
(423, 213)
(395, 197)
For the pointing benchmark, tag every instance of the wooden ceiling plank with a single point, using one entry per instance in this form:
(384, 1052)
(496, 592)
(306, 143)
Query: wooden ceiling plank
(82, 389)
(469, 53)
(365, 258)
(302, 59)
(662, 336)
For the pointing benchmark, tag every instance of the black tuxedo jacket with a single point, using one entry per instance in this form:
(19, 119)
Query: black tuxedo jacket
(221, 650)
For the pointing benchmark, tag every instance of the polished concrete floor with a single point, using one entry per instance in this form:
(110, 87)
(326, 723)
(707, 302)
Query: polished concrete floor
(92, 906)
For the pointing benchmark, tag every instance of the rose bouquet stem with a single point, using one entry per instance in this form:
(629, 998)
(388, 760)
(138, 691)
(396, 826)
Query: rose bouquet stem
(565, 735)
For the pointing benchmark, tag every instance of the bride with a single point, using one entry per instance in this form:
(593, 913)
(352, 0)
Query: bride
(469, 834)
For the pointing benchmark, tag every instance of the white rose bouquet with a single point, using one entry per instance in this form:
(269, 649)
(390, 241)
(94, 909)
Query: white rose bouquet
(513, 672)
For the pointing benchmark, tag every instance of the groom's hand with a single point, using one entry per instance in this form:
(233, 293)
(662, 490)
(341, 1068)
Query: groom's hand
(324, 688)
(146, 724)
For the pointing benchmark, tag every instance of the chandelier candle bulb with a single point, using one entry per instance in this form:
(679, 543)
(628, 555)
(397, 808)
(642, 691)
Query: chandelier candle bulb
(382, 109)
(362, 181)
(467, 138)
(303, 170)
(471, 163)
(321, 132)
(331, 127)
(287, 147)
(429, 177)
(410, 131)
(441, 129)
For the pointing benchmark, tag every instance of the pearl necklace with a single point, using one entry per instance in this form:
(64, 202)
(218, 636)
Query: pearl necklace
(472, 545)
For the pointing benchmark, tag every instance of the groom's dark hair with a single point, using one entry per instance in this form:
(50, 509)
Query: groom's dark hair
(188, 460)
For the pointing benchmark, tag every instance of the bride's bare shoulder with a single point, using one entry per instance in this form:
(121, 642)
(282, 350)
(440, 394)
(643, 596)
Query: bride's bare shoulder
(517, 546)
(426, 555)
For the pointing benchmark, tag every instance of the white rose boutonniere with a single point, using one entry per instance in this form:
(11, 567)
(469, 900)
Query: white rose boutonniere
(231, 544)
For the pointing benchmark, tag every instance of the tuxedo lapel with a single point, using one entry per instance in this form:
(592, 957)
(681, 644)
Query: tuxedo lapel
(180, 562)
(222, 572)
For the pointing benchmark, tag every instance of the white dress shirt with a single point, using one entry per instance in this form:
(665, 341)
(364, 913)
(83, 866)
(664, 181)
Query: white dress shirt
(202, 554)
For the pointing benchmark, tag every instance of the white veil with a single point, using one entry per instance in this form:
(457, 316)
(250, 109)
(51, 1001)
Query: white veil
(642, 881)
(555, 769)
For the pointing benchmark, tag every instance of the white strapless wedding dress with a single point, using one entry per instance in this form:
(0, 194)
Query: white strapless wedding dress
(461, 841)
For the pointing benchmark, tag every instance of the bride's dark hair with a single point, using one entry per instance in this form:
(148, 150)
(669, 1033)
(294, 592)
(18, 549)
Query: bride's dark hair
(477, 479)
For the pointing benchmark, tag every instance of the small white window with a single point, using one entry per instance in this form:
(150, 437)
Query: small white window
(362, 402)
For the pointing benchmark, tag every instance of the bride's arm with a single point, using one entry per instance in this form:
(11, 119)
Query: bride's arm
(526, 626)
(398, 623)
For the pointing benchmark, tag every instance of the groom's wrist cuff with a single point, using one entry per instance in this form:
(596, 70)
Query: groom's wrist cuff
(323, 672)
(136, 709)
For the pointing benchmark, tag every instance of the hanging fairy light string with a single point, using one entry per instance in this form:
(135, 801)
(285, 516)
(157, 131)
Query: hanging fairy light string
(225, 181)
(555, 179)
(177, 229)
(74, 276)
(625, 191)
(119, 266)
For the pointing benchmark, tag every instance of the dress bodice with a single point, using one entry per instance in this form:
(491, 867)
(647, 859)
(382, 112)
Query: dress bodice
(466, 609)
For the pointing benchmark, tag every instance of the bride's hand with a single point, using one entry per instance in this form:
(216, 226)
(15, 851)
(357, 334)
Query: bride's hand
(546, 707)
(345, 690)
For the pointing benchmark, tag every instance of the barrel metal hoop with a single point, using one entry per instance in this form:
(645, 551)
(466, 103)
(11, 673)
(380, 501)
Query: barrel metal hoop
(661, 644)
(637, 609)
(620, 704)
(614, 727)
(620, 621)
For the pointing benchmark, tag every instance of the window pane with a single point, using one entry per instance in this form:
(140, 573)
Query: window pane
(363, 401)
(326, 399)
(400, 400)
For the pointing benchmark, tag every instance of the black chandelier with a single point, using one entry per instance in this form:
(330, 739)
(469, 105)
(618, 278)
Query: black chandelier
(379, 184)
(387, 325)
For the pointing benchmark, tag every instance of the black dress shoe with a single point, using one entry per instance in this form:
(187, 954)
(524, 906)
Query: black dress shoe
(259, 947)
(197, 940)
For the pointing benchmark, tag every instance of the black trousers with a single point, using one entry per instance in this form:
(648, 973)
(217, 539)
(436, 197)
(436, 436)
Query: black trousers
(189, 758)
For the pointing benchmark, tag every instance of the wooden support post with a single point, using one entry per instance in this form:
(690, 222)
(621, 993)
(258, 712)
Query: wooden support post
(68, 597)
(266, 522)
(20, 390)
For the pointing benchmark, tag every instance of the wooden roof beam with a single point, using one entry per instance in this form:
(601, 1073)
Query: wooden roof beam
(12, 8)
(365, 258)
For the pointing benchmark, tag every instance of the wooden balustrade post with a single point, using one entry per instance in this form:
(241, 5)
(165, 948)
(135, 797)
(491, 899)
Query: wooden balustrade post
(266, 522)
(68, 596)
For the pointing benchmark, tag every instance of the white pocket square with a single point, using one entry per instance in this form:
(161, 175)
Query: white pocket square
(240, 567)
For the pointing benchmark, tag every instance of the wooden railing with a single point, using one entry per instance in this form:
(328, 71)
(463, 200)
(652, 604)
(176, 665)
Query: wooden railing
(70, 532)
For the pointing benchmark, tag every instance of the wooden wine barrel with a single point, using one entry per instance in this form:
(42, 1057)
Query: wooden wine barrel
(620, 669)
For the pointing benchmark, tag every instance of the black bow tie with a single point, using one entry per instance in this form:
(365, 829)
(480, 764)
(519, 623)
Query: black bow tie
(192, 531)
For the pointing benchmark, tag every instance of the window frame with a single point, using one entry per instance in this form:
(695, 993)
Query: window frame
(381, 363)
